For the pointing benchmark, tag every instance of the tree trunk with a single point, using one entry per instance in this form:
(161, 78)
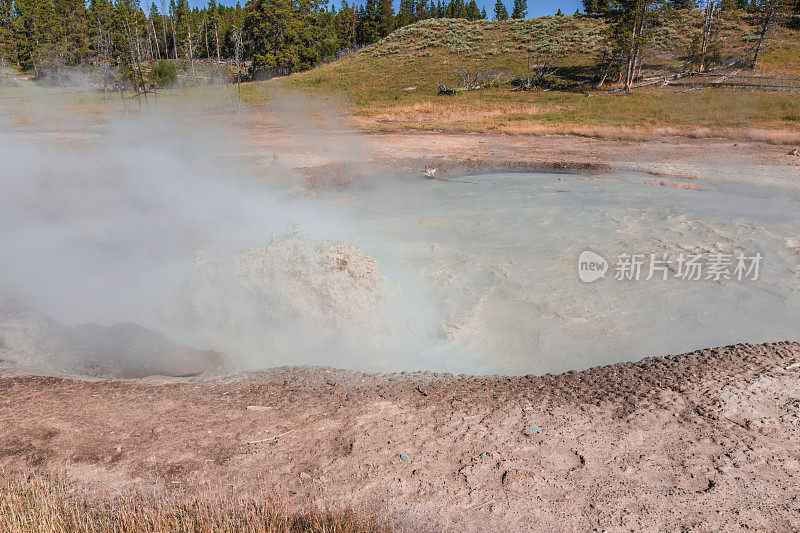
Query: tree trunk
(216, 38)
(763, 36)
(174, 38)
(164, 27)
(636, 35)
(205, 31)
(191, 51)
(238, 70)
(605, 75)
(155, 38)
(709, 19)
(149, 41)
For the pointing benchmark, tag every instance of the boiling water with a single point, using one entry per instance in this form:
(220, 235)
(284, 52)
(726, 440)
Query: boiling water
(500, 254)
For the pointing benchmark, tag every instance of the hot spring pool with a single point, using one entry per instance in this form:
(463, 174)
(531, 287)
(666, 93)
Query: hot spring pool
(477, 274)
(499, 253)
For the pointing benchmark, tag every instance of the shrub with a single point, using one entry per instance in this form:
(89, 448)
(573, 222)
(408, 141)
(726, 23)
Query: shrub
(164, 73)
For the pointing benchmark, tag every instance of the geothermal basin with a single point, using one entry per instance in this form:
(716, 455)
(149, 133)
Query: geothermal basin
(474, 273)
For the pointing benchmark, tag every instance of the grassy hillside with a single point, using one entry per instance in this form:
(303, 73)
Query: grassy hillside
(393, 84)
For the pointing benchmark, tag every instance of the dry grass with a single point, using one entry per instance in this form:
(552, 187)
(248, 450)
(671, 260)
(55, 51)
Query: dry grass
(644, 115)
(34, 503)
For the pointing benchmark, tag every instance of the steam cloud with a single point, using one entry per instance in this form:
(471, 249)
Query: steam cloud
(147, 223)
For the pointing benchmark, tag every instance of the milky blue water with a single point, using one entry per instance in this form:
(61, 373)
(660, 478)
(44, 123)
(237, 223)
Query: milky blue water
(500, 252)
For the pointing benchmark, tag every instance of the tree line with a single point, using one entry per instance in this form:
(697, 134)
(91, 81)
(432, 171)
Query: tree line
(46, 35)
(273, 36)
(281, 36)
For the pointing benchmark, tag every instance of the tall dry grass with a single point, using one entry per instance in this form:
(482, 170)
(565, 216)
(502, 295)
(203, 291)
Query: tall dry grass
(40, 504)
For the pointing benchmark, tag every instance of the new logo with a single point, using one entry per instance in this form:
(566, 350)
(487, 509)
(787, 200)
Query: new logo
(591, 266)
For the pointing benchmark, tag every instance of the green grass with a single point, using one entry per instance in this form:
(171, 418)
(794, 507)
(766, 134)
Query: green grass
(375, 82)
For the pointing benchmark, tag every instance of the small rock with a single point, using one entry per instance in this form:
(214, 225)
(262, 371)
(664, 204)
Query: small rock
(533, 430)
(795, 152)
(793, 366)
(484, 454)
(405, 458)
(258, 408)
(305, 475)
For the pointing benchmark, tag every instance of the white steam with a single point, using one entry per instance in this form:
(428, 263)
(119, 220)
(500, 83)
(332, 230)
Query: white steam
(148, 223)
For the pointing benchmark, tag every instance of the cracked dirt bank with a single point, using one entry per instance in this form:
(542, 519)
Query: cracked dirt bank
(704, 441)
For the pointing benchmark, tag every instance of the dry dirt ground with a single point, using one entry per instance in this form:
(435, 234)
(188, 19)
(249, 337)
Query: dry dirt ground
(704, 441)
(326, 153)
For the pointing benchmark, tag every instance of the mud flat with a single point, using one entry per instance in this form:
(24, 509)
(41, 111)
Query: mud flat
(701, 441)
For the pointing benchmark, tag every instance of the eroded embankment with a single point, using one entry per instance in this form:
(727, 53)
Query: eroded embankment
(663, 443)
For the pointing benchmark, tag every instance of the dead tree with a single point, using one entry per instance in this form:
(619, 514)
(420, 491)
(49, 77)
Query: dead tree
(473, 80)
(769, 20)
(237, 35)
(216, 38)
(708, 20)
(478, 79)
(191, 50)
(205, 32)
(155, 38)
(136, 64)
(540, 68)
(164, 27)
(610, 60)
(174, 36)
(637, 31)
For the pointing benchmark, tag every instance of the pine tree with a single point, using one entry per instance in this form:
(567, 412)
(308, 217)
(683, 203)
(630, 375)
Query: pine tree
(520, 9)
(182, 28)
(385, 17)
(272, 31)
(500, 11)
(422, 10)
(346, 26)
(46, 37)
(213, 26)
(472, 12)
(368, 31)
(630, 32)
(6, 31)
(405, 15)
(154, 24)
(456, 9)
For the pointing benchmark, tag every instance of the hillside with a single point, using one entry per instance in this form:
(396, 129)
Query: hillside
(394, 83)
